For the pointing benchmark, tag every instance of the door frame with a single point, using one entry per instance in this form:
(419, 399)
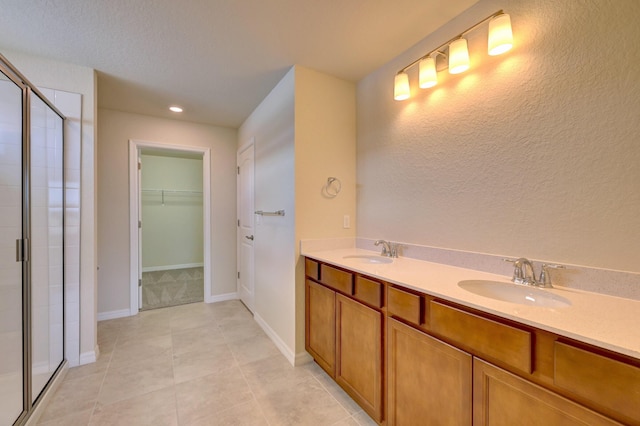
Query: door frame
(135, 146)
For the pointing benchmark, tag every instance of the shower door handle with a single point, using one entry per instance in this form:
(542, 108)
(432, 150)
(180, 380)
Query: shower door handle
(249, 237)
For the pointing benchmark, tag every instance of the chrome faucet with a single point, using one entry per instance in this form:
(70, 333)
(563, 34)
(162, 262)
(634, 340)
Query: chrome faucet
(388, 249)
(523, 273)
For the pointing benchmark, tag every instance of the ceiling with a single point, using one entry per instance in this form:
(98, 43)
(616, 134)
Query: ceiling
(216, 58)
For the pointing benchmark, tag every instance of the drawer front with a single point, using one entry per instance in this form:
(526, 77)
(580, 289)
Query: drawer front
(482, 336)
(336, 279)
(405, 305)
(612, 385)
(311, 269)
(368, 291)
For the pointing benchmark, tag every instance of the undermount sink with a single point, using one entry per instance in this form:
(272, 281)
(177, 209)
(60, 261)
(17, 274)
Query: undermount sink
(514, 293)
(368, 258)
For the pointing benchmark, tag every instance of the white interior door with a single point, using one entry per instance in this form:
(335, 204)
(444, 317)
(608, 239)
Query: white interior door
(245, 226)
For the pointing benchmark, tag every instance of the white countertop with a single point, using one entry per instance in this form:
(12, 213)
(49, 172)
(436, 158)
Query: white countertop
(609, 322)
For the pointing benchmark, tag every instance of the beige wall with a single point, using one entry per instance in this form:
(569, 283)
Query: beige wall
(304, 132)
(172, 234)
(325, 123)
(116, 129)
(76, 79)
(533, 153)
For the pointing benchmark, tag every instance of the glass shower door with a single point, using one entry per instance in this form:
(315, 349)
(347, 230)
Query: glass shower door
(46, 244)
(11, 279)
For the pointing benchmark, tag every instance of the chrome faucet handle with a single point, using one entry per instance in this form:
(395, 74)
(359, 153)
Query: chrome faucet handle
(545, 279)
(386, 247)
(518, 276)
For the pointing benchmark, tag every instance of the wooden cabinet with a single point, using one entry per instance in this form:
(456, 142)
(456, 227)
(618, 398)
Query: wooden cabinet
(435, 362)
(359, 354)
(345, 332)
(429, 382)
(501, 398)
(320, 336)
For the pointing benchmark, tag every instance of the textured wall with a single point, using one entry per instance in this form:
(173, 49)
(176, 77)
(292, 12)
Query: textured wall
(533, 153)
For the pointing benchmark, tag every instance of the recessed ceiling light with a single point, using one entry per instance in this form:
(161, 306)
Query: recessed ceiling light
(175, 108)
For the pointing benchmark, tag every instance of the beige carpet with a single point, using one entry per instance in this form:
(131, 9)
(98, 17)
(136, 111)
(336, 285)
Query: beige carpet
(170, 288)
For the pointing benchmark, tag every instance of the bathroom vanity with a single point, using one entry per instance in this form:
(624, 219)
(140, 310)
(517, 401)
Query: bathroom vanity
(411, 346)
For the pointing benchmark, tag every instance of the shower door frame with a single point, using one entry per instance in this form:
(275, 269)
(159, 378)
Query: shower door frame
(23, 246)
(135, 147)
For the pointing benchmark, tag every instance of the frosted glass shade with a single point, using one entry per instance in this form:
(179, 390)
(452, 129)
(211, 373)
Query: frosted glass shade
(401, 88)
(428, 75)
(500, 35)
(458, 56)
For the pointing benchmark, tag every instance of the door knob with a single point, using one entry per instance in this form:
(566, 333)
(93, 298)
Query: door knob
(249, 237)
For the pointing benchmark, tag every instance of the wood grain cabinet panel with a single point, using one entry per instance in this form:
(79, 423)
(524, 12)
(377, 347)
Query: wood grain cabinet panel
(336, 279)
(359, 349)
(320, 332)
(368, 291)
(483, 336)
(311, 269)
(405, 305)
(610, 385)
(504, 399)
(429, 381)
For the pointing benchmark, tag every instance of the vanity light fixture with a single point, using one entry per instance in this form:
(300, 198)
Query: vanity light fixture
(175, 108)
(456, 52)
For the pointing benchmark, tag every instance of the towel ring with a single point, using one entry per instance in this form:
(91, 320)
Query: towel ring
(333, 187)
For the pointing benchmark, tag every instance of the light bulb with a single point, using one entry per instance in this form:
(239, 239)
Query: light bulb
(428, 75)
(458, 56)
(500, 35)
(401, 89)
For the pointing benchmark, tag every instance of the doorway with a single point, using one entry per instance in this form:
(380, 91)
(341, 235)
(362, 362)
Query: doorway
(245, 235)
(170, 226)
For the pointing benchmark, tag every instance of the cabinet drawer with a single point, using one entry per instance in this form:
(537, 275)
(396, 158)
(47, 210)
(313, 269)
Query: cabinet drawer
(311, 269)
(610, 384)
(336, 279)
(405, 305)
(368, 291)
(483, 336)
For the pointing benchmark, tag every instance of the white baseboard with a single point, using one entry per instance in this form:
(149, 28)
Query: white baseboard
(171, 267)
(89, 357)
(102, 316)
(282, 347)
(221, 297)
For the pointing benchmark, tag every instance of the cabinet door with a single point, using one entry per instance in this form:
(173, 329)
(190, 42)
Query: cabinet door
(359, 351)
(430, 382)
(501, 398)
(320, 339)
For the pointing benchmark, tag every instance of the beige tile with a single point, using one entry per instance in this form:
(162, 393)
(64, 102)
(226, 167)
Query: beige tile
(306, 404)
(338, 393)
(154, 409)
(98, 367)
(138, 352)
(191, 365)
(73, 396)
(75, 419)
(350, 421)
(273, 374)
(229, 310)
(194, 339)
(253, 349)
(240, 330)
(211, 394)
(134, 379)
(363, 419)
(147, 331)
(247, 414)
(192, 320)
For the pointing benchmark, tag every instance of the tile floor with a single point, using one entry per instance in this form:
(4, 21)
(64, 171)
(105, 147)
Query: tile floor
(196, 364)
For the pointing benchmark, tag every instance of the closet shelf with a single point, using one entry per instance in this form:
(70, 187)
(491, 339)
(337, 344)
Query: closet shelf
(164, 192)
